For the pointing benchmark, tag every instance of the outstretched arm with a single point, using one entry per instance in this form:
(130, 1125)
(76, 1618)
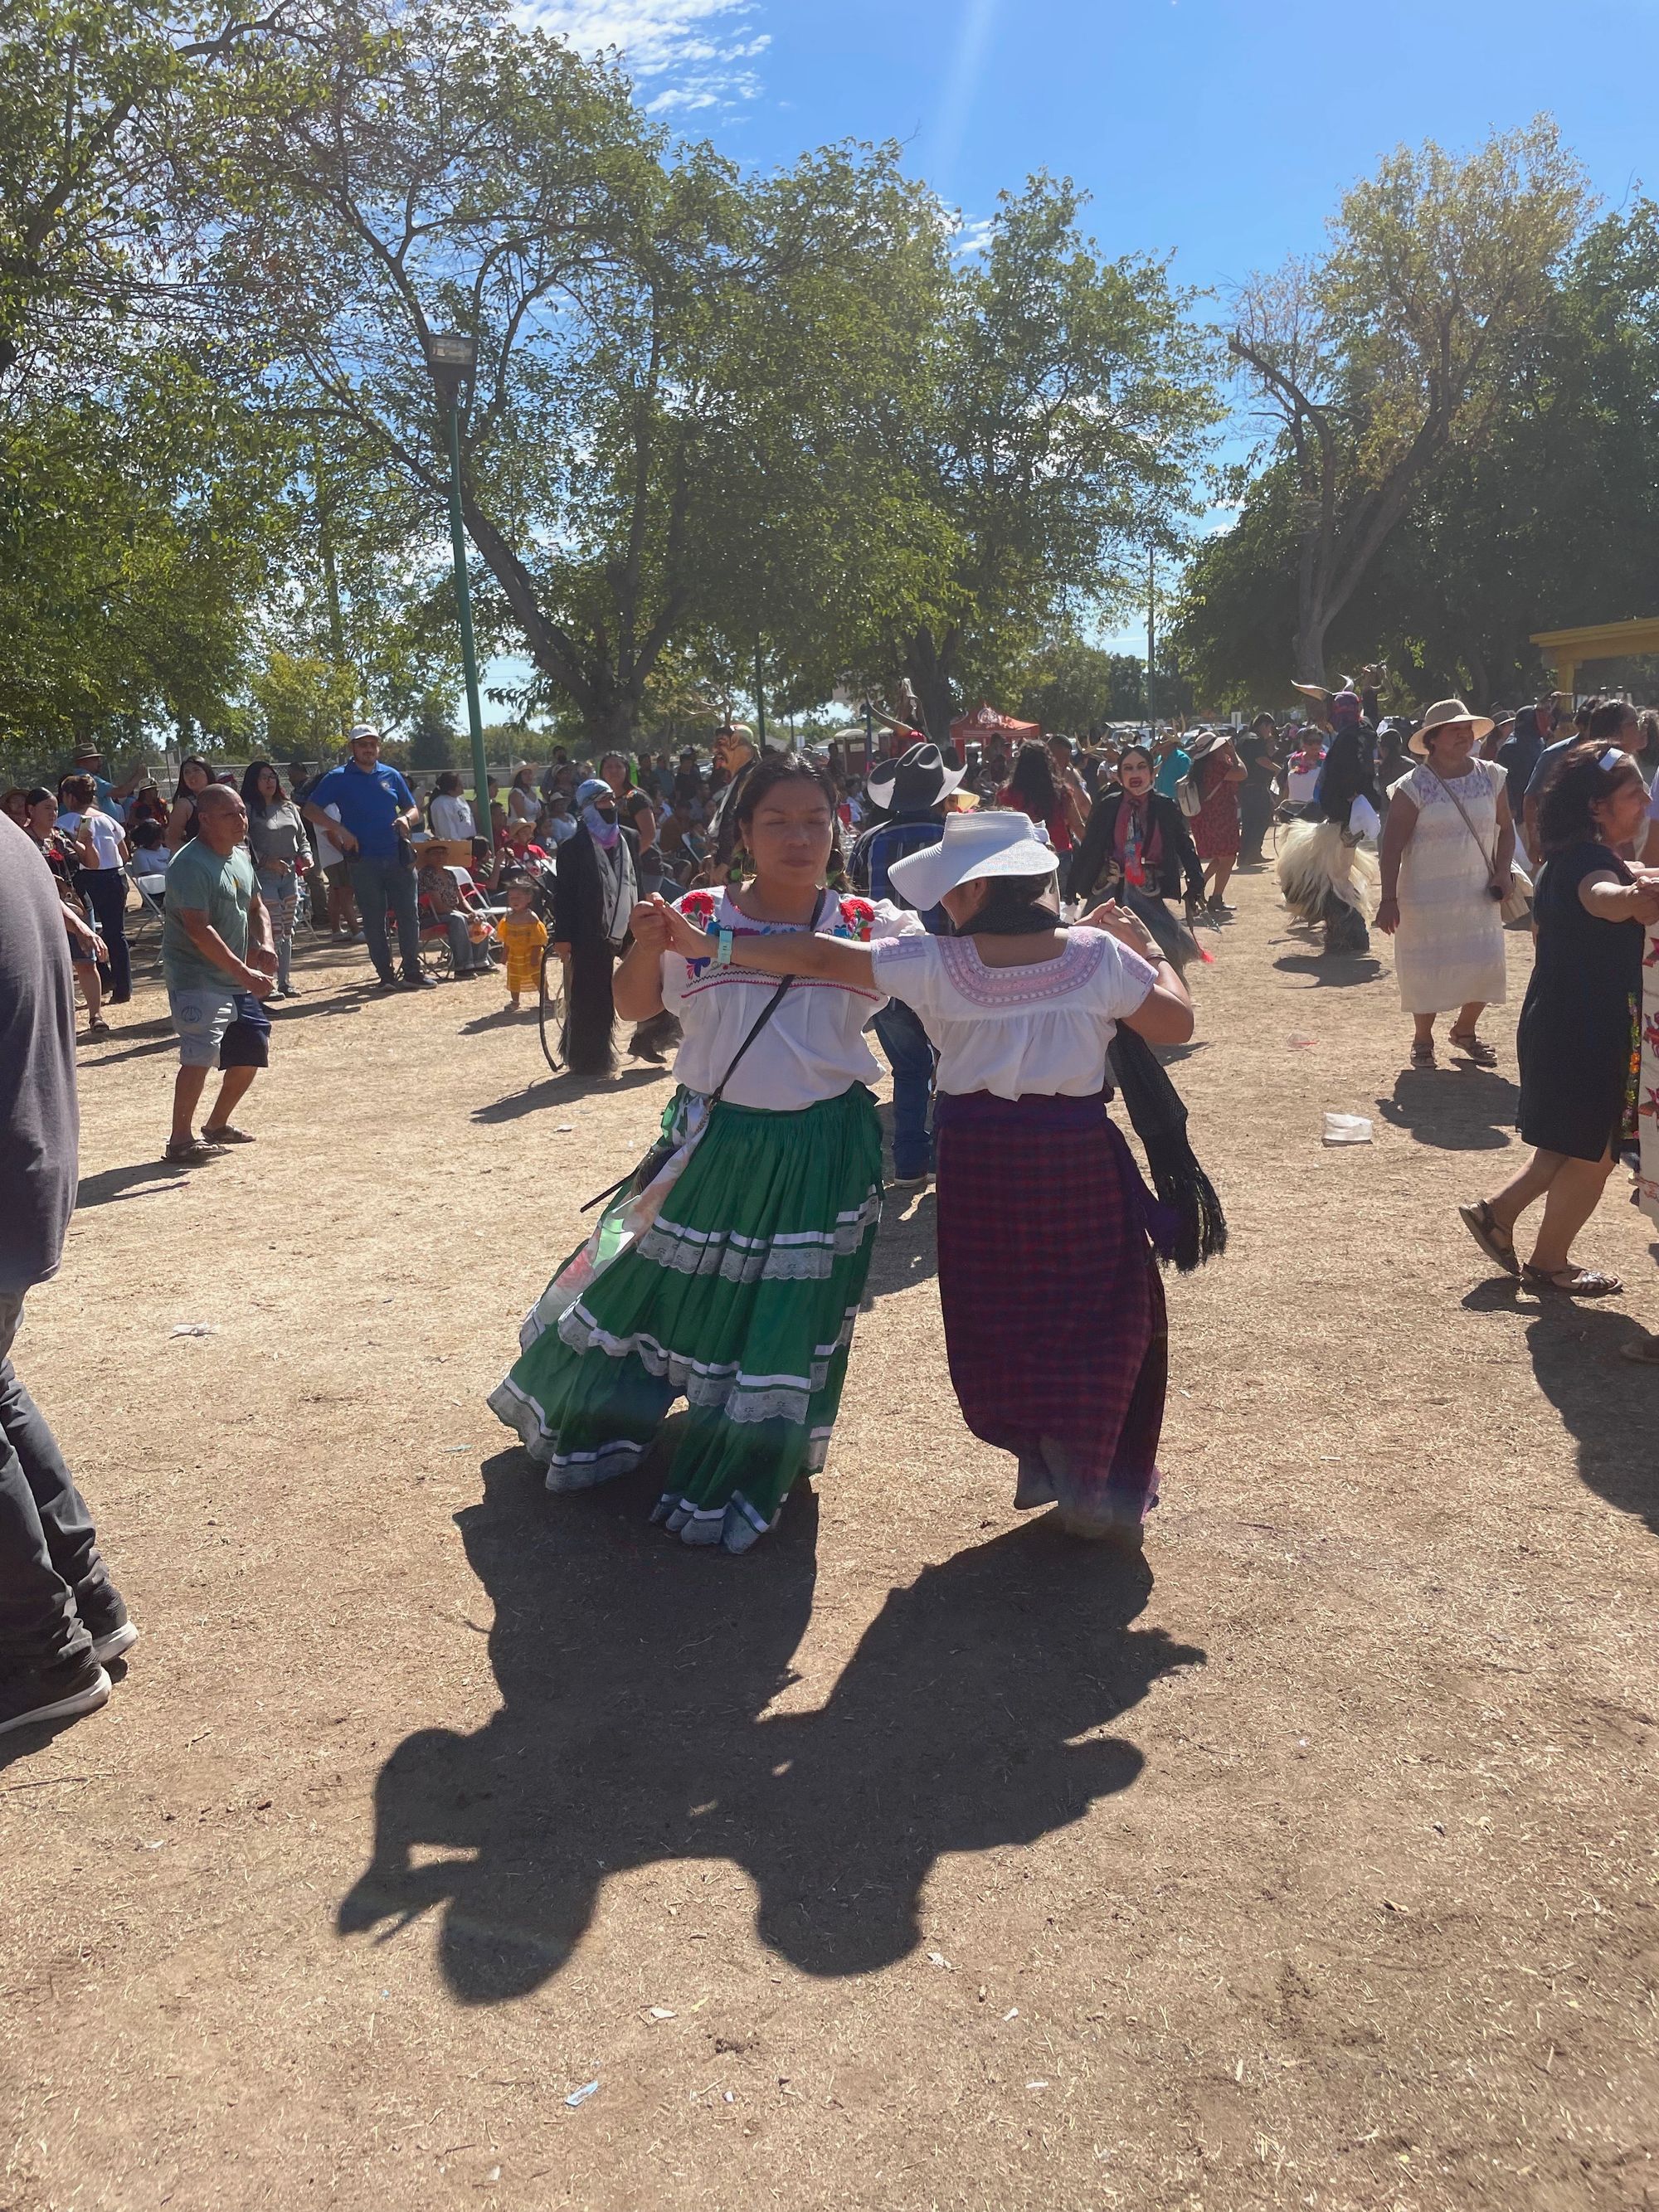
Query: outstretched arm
(829, 959)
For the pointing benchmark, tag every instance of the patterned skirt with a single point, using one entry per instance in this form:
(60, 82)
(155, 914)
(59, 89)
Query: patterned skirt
(737, 1292)
(1053, 1306)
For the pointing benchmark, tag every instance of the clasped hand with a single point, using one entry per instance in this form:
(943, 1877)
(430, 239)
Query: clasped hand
(662, 928)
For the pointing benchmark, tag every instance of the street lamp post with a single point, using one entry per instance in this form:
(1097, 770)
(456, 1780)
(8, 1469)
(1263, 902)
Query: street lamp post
(452, 356)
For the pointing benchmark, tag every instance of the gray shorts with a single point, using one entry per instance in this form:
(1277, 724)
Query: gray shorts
(201, 1015)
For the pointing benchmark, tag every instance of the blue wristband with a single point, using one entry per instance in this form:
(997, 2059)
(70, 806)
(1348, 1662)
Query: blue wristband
(723, 956)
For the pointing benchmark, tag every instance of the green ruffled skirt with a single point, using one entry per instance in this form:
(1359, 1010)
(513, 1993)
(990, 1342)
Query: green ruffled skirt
(740, 1297)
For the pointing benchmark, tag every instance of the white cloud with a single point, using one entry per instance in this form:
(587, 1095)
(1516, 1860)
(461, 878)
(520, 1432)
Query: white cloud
(973, 237)
(704, 47)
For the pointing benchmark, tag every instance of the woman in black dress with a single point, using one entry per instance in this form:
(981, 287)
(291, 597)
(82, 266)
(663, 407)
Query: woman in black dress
(1577, 1034)
(1138, 850)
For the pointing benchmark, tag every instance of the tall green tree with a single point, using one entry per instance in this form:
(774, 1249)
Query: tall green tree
(1402, 347)
(1067, 410)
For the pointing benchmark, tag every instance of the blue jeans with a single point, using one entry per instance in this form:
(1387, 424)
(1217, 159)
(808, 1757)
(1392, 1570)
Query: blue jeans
(376, 885)
(911, 1056)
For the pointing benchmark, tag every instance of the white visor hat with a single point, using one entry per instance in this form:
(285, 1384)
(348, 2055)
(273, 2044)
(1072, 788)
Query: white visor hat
(974, 845)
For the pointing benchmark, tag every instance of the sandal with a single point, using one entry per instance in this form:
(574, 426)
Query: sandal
(190, 1152)
(1644, 1350)
(1478, 1220)
(1474, 1047)
(226, 1134)
(1580, 1283)
(1422, 1053)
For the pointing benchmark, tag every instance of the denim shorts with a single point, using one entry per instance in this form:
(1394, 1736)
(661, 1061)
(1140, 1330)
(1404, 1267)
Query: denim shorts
(201, 1015)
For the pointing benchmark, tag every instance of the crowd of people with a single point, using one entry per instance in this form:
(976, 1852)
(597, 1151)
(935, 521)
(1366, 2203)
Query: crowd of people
(1015, 926)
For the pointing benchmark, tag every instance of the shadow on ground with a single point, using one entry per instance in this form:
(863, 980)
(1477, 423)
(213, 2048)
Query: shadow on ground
(1606, 1401)
(137, 1180)
(564, 1090)
(1458, 1108)
(1333, 971)
(635, 1676)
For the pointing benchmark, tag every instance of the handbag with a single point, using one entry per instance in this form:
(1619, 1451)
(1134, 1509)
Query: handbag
(1517, 900)
(663, 1150)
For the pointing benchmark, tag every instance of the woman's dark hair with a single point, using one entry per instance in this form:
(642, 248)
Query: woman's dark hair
(77, 792)
(1137, 752)
(1609, 718)
(448, 784)
(765, 773)
(251, 798)
(1033, 783)
(181, 789)
(1577, 783)
(1014, 906)
(623, 762)
(1647, 722)
(35, 793)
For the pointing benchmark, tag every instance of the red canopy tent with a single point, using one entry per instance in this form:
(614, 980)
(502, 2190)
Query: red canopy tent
(986, 725)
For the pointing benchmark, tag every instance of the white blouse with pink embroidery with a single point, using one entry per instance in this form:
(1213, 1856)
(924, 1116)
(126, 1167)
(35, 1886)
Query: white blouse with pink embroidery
(1039, 1028)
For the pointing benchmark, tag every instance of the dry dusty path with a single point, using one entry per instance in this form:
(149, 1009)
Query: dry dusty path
(917, 1859)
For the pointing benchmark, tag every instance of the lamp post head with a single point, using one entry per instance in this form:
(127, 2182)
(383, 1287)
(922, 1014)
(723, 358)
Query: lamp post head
(452, 356)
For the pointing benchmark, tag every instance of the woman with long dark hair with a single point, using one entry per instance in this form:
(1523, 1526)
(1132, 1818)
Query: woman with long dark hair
(277, 841)
(1139, 850)
(194, 777)
(1579, 1036)
(101, 844)
(1218, 774)
(1053, 1303)
(1032, 787)
(733, 1275)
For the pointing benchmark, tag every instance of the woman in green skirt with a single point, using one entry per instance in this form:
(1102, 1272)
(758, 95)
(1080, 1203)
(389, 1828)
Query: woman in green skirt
(733, 1278)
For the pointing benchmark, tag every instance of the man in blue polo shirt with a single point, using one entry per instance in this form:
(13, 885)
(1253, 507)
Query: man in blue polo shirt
(375, 810)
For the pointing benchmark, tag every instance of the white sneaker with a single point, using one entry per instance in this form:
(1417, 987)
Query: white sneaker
(115, 1645)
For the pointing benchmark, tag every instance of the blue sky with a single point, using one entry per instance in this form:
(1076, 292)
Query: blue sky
(1219, 132)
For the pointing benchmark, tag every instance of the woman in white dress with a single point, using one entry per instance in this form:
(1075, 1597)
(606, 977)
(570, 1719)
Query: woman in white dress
(1448, 848)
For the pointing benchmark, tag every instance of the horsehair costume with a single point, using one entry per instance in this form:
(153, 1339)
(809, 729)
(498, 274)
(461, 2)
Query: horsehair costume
(1325, 875)
(734, 1278)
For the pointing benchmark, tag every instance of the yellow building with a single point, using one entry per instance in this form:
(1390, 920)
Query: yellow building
(1571, 648)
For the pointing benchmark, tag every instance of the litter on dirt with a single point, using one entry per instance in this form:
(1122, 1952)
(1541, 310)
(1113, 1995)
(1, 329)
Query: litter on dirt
(581, 2096)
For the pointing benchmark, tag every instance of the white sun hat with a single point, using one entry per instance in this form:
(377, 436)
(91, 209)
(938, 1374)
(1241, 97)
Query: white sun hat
(974, 845)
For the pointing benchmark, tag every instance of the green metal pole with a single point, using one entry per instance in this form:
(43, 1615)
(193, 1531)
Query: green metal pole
(464, 609)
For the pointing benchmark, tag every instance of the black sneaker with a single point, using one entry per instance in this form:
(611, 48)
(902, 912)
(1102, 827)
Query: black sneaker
(114, 1643)
(420, 982)
(63, 1692)
(386, 983)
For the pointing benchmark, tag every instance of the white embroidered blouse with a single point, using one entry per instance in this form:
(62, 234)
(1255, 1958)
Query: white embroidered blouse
(1039, 1029)
(813, 1047)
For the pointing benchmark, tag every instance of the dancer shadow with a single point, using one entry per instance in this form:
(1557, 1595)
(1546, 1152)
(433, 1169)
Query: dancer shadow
(635, 1676)
(1333, 971)
(1605, 1402)
(1462, 1109)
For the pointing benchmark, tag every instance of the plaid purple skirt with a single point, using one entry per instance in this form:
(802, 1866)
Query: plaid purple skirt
(1053, 1306)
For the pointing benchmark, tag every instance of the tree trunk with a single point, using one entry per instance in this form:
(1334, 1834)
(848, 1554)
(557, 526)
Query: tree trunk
(927, 667)
(1308, 648)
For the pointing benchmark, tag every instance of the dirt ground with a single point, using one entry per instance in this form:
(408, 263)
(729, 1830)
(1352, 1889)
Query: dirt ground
(917, 1859)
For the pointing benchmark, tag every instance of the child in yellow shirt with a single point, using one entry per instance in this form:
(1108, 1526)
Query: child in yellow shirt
(525, 935)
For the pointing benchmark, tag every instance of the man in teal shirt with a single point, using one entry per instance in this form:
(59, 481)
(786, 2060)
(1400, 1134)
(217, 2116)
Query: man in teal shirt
(219, 962)
(1172, 763)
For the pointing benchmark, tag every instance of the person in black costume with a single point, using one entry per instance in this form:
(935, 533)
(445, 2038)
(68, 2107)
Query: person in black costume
(1324, 875)
(1138, 850)
(1579, 1028)
(595, 892)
